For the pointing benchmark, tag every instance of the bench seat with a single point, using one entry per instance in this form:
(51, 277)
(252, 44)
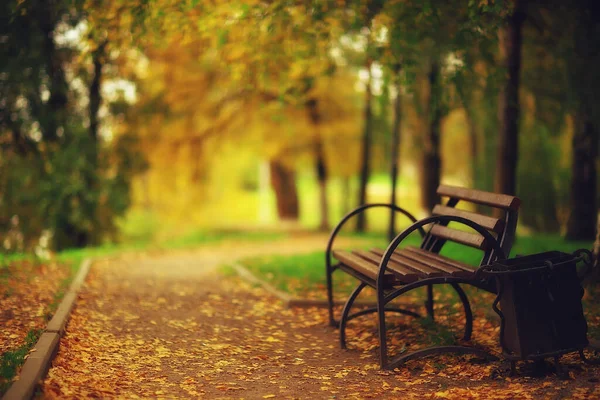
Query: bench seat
(407, 265)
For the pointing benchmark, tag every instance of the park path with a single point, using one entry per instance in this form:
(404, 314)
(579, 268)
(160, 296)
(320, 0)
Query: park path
(172, 326)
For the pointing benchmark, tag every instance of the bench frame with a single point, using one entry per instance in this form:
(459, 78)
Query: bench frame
(498, 249)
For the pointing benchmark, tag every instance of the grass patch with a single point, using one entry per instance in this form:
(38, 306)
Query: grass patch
(435, 333)
(202, 237)
(12, 360)
(305, 273)
(285, 272)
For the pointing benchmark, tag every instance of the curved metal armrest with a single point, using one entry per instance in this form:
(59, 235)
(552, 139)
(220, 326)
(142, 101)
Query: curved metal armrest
(589, 261)
(356, 211)
(431, 220)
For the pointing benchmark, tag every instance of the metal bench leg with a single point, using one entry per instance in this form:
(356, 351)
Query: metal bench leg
(468, 313)
(513, 368)
(332, 320)
(385, 361)
(401, 359)
(429, 301)
(383, 356)
(346, 310)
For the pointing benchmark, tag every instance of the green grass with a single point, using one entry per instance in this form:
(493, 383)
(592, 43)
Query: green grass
(74, 257)
(305, 273)
(437, 334)
(11, 360)
(198, 238)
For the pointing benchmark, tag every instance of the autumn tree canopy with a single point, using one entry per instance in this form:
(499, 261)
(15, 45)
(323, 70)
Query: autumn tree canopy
(177, 109)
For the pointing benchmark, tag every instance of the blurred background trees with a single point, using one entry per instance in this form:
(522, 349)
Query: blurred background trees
(124, 119)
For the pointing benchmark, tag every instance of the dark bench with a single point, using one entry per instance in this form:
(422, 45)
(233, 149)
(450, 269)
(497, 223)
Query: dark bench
(395, 271)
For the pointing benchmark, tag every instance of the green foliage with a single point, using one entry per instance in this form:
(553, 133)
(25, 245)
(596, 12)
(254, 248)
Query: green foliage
(539, 180)
(68, 194)
(58, 177)
(13, 359)
(437, 334)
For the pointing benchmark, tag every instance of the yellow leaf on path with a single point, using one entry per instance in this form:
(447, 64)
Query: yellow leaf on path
(443, 395)
(268, 396)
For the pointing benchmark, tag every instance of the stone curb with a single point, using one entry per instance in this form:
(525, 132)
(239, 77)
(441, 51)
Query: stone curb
(38, 362)
(248, 276)
(61, 316)
(286, 299)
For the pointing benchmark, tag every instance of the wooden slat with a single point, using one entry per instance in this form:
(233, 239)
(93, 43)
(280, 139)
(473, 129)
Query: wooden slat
(467, 238)
(458, 271)
(364, 267)
(423, 269)
(489, 223)
(498, 200)
(406, 275)
(439, 258)
(452, 267)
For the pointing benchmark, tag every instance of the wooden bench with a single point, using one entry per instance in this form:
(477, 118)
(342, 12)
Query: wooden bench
(395, 271)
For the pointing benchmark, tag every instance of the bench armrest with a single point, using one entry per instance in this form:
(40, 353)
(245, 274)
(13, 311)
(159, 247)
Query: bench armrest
(418, 225)
(356, 211)
(590, 262)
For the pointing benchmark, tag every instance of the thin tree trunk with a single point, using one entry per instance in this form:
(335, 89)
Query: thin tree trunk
(95, 86)
(321, 168)
(91, 175)
(473, 136)
(583, 73)
(508, 105)
(431, 161)
(345, 195)
(584, 207)
(474, 145)
(54, 115)
(283, 180)
(320, 165)
(595, 277)
(395, 151)
(361, 221)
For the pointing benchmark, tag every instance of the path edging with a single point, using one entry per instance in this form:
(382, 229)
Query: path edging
(288, 300)
(40, 357)
(248, 276)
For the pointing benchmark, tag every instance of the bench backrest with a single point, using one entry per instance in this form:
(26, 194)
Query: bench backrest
(502, 224)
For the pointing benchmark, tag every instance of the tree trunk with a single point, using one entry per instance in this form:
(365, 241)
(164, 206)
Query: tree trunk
(283, 180)
(54, 115)
(508, 105)
(473, 136)
(595, 276)
(346, 195)
(395, 149)
(584, 206)
(320, 165)
(583, 80)
(431, 161)
(361, 220)
(95, 86)
(321, 168)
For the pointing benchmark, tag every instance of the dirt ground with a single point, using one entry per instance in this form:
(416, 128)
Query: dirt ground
(173, 326)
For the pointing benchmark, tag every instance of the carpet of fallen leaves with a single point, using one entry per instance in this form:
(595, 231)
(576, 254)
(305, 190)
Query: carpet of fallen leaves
(27, 292)
(173, 327)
